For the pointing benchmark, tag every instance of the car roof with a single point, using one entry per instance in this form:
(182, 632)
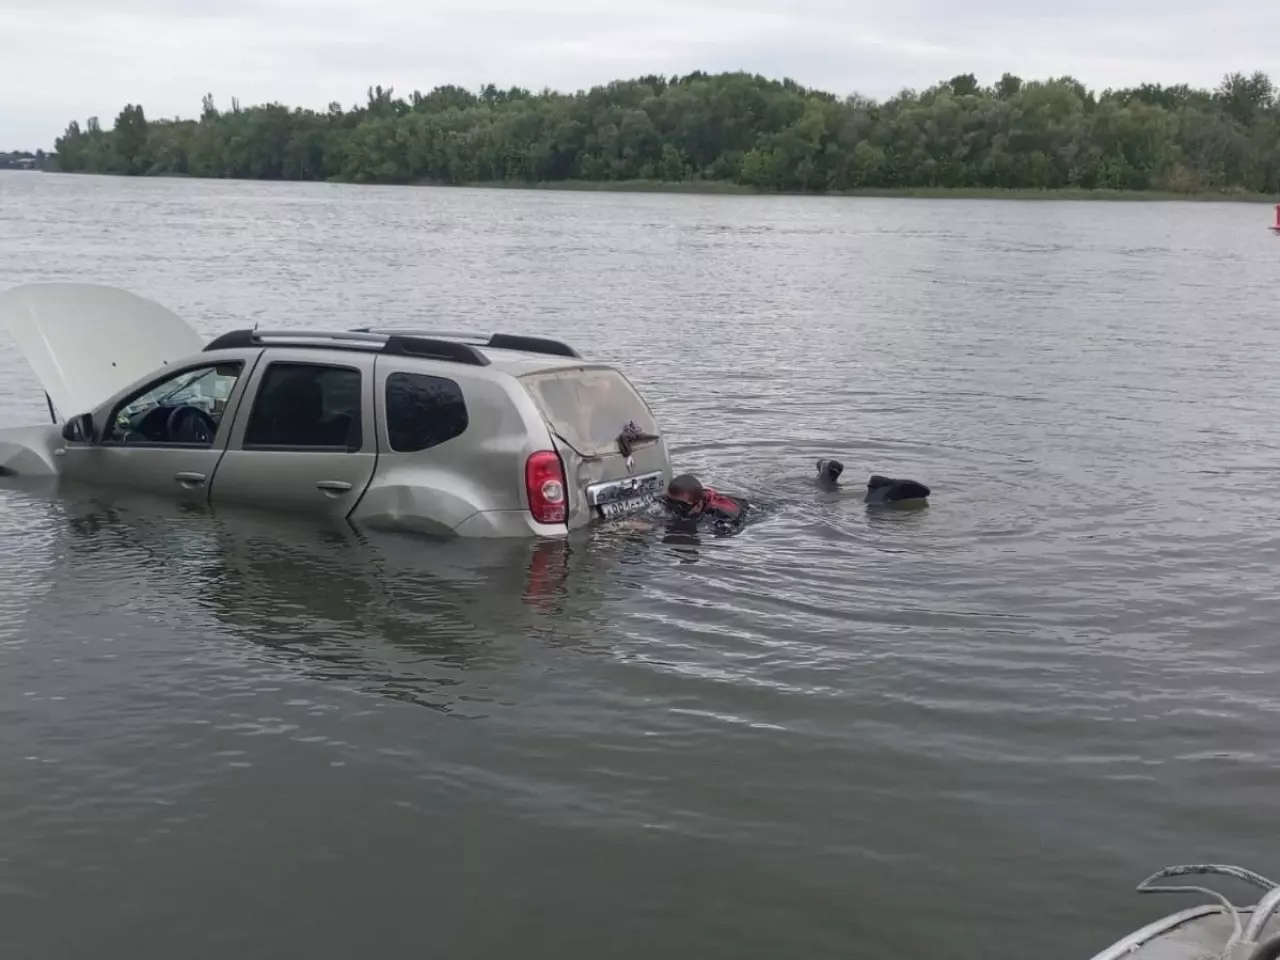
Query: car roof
(515, 355)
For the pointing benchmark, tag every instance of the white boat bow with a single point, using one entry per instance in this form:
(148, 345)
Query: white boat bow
(1213, 931)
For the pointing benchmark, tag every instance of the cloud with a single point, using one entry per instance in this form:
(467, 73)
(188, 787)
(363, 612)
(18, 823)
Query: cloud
(71, 59)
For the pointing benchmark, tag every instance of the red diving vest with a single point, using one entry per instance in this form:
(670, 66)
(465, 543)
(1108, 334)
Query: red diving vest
(715, 502)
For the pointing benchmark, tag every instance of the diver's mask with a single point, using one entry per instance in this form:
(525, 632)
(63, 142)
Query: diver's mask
(679, 508)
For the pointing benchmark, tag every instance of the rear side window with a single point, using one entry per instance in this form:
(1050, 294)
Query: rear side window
(306, 405)
(423, 411)
(589, 408)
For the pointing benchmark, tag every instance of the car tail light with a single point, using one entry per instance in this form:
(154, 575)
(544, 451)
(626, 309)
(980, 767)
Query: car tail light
(544, 483)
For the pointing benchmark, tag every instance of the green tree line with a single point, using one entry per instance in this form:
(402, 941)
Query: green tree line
(731, 127)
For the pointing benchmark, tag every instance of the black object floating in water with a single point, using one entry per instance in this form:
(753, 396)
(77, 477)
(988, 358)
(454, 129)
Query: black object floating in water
(829, 470)
(889, 490)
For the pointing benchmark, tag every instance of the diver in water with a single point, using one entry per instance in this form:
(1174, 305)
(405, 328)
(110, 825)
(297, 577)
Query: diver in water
(880, 490)
(892, 490)
(829, 472)
(687, 500)
(690, 505)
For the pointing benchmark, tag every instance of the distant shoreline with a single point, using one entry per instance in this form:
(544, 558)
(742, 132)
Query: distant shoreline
(730, 189)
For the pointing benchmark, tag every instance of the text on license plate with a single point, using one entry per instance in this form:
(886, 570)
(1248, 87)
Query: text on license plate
(621, 508)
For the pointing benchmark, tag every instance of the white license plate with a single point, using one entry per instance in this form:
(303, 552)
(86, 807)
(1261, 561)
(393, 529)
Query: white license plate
(621, 508)
(648, 485)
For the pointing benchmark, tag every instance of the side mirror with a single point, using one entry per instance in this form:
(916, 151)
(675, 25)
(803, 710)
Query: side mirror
(78, 429)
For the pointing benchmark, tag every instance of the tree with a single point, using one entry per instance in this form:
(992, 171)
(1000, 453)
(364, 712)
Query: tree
(1244, 97)
(672, 165)
(1008, 87)
(129, 141)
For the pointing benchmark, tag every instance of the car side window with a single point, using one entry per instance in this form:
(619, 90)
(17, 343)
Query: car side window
(184, 408)
(306, 405)
(423, 411)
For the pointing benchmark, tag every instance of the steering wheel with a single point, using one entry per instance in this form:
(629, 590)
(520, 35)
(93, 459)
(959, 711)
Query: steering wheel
(187, 424)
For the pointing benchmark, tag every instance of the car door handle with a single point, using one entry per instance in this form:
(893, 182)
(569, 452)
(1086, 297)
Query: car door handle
(333, 488)
(188, 479)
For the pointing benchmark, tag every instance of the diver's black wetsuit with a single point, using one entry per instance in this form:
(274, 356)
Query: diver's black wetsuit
(891, 490)
(719, 512)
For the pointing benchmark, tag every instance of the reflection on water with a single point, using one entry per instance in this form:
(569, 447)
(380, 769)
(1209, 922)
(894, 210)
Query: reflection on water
(1022, 699)
(399, 616)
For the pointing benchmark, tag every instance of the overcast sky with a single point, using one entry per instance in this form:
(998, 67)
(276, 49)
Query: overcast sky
(65, 59)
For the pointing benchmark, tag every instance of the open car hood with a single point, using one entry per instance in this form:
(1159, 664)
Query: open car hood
(85, 341)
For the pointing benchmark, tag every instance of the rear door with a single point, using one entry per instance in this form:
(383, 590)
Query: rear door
(304, 440)
(588, 410)
(432, 472)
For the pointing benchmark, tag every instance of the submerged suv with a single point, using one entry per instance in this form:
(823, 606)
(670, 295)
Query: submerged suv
(453, 434)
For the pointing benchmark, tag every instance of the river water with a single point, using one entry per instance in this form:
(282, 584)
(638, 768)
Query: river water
(962, 732)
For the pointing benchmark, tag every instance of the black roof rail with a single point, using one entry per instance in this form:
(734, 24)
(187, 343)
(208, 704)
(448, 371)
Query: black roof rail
(496, 341)
(404, 345)
(512, 341)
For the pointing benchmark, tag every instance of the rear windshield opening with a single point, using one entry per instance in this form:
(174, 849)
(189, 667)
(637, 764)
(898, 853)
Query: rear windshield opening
(590, 408)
